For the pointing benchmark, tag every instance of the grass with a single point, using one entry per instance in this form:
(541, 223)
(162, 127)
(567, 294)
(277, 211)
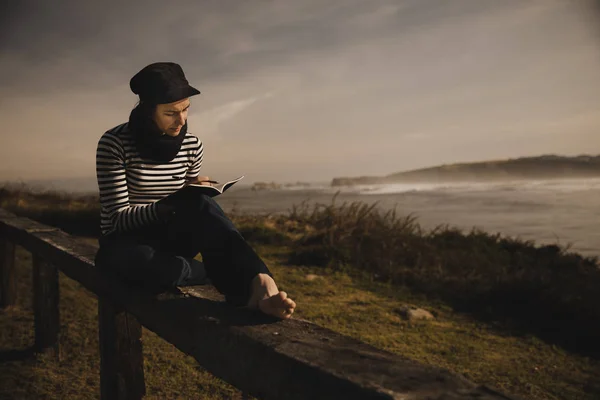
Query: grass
(483, 341)
(169, 373)
(545, 290)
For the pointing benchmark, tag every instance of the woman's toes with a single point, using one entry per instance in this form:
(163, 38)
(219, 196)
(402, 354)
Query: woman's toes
(277, 305)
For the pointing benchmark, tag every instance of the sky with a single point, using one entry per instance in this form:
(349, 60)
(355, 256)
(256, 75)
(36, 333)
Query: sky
(305, 90)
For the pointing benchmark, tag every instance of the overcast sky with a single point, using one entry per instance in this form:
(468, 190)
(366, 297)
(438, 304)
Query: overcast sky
(305, 89)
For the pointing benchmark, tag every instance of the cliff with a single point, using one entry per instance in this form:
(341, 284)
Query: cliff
(542, 167)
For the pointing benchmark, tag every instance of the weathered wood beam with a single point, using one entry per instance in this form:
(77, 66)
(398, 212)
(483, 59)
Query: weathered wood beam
(45, 306)
(8, 283)
(121, 359)
(267, 358)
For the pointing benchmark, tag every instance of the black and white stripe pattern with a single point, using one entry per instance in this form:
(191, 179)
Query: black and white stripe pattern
(129, 185)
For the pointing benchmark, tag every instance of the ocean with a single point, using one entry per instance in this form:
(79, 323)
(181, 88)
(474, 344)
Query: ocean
(545, 211)
(565, 212)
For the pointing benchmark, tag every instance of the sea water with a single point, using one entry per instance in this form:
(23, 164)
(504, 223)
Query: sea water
(565, 212)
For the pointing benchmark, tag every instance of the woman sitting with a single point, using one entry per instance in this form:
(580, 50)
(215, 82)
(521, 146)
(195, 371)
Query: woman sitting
(148, 243)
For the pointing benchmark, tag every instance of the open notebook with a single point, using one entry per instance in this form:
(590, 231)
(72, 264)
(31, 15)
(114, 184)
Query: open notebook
(193, 190)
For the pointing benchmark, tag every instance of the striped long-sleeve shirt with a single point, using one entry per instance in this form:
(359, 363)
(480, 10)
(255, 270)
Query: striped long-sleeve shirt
(130, 186)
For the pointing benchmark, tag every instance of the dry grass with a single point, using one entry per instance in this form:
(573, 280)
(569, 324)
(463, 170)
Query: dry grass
(169, 373)
(518, 364)
(544, 290)
(515, 363)
(480, 287)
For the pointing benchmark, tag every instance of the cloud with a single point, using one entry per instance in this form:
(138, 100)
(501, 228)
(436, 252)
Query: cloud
(209, 120)
(355, 86)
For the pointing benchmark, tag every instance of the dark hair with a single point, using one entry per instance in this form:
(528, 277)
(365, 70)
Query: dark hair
(145, 109)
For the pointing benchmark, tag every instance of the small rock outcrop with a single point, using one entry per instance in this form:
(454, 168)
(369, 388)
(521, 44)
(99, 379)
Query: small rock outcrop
(412, 313)
(312, 277)
(265, 186)
(297, 184)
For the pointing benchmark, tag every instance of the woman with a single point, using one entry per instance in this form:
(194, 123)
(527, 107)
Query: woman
(151, 244)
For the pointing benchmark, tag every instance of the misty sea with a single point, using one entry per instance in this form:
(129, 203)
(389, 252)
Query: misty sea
(547, 212)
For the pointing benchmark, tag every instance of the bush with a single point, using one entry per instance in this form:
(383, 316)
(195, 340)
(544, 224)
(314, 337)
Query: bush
(545, 289)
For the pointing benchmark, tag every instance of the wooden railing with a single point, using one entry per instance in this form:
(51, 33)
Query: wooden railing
(261, 356)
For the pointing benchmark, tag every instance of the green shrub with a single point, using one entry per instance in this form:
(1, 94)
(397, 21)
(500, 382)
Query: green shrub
(546, 289)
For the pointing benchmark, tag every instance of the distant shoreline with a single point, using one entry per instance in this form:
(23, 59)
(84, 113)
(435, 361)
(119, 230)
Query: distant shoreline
(548, 167)
(543, 167)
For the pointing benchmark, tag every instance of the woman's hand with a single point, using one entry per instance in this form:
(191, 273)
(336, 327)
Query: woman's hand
(202, 180)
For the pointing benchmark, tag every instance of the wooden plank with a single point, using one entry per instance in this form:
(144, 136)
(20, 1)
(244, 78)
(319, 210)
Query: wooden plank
(8, 283)
(45, 306)
(121, 359)
(296, 359)
(262, 356)
(74, 258)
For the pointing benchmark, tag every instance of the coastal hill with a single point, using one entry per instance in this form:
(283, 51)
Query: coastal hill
(541, 167)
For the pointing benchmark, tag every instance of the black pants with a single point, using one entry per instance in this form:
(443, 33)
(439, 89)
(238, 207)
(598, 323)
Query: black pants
(161, 256)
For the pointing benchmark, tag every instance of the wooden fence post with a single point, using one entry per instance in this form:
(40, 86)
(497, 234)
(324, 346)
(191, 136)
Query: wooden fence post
(45, 306)
(121, 359)
(8, 283)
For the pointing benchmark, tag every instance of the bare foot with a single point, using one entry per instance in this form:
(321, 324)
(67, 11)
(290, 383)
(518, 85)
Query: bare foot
(268, 299)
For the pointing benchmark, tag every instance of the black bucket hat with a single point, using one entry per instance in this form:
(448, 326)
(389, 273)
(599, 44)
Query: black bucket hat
(162, 83)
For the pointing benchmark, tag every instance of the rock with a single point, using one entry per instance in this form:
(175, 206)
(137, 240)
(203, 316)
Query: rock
(413, 313)
(312, 277)
(297, 184)
(265, 186)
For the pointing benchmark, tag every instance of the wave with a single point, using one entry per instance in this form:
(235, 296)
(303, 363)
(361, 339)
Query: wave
(555, 185)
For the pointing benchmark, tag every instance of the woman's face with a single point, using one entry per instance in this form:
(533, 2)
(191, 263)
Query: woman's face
(171, 117)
